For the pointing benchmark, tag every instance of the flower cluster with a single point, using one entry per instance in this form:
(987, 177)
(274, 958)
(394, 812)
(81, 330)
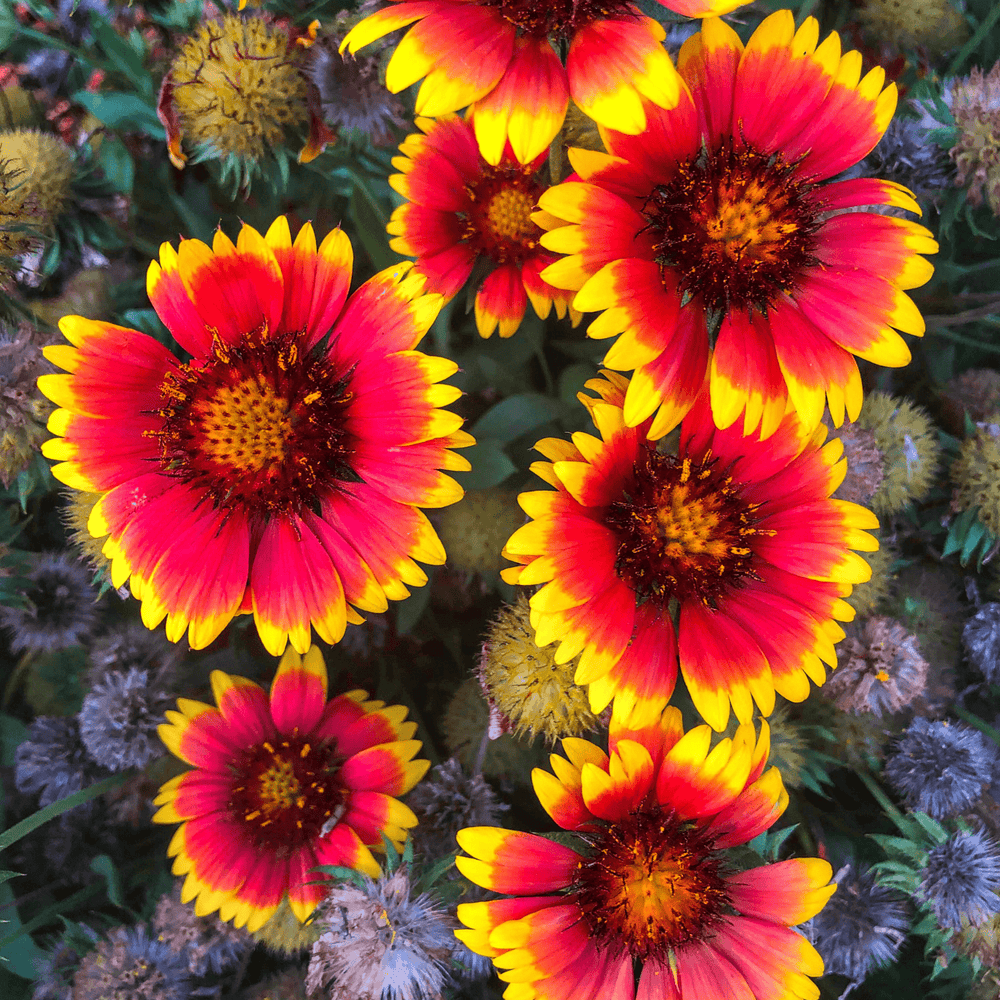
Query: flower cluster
(261, 453)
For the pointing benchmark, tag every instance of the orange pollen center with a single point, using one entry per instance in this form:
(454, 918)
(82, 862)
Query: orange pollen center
(684, 531)
(278, 787)
(257, 425)
(649, 884)
(735, 226)
(247, 426)
(509, 214)
(498, 213)
(745, 224)
(287, 793)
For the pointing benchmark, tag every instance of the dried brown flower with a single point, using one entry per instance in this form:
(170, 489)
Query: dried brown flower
(865, 465)
(207, 944)
(881, 670)
(23, 409)
(378, 943)
(975, 103)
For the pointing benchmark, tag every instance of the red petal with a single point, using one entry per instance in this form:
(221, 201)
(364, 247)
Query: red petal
(501, 300)
(528, 104)
(294, 584)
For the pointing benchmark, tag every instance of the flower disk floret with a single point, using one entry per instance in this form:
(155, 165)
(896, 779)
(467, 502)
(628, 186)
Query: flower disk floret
(651, 880)
(282, 782)
(279, 471)
(714, 228)
(736, 538)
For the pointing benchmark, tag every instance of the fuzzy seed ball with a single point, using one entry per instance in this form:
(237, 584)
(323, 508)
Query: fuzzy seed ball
(237, 87)
(981, 637)
(23, 409)
(36, 186)
(910, 450)
(475, 530)
(526, 684)
(87, 293)
(975, 474)
(934, 25)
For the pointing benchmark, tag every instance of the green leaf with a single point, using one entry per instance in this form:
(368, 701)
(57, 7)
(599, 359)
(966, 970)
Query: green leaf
(103, 865)
(572, 379)
(410, 611)
(116, 162)
(50, 915)
(147, 321)
(514, 416)
(369, 222)
(979, 536)
(490, 466)
(37, 819)
(19, 954)
(124, 56)
(957, 531)
(13, 988)
(127, 112)
(435, 872)
(932, 827)
(194, 224)
(8, 24)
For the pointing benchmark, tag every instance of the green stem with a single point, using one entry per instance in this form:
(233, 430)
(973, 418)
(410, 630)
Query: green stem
(35, 820)
(964, 713)
(970, 46)
(50, 913)
(15, 677)
(905, 826)
(959, 338)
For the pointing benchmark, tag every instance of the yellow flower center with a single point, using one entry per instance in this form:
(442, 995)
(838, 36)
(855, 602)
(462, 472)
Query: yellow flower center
(734, 226)
(651, 883)
(748, 221)
(498, 214)
(683, 527)
(691, 525)
(257, 426)
(509, 214)
(279, 788)
(246, 427)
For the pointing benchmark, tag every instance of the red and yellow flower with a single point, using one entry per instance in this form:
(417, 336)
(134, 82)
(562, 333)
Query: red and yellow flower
(281, 783)
(714, 225)
(464, 215)
(736, 538)
(499, 56)
(650, 880)
(280, 470)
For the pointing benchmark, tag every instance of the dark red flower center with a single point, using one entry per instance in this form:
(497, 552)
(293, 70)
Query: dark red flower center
(560, 18)
(498, 219)
(287, 793)
(735, 225)
(650, 883)
(684, 530)
(257, 425)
